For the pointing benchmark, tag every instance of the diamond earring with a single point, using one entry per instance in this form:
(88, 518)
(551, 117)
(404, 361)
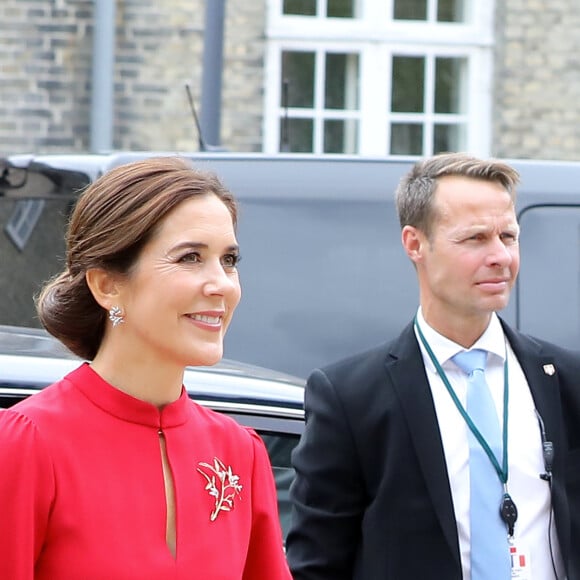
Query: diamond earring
(116, 316)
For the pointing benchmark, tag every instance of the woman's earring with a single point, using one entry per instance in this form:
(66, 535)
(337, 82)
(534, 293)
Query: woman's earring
(116, 316)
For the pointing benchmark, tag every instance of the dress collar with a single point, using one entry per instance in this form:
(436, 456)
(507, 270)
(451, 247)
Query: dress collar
(124, 406)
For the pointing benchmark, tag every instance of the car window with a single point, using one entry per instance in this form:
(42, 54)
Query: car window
(9, 396)
(32, 250)
(280, 446)
(280, 437)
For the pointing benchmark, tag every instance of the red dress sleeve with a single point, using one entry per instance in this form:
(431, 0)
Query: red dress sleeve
(266, 557)
(26, 492)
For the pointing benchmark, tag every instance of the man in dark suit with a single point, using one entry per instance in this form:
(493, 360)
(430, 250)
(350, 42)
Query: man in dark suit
(387, 483)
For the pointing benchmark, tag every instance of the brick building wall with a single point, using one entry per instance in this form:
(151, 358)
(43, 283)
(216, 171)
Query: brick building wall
(45, 76)
(44, 63)
(159, 48)
(537, 80)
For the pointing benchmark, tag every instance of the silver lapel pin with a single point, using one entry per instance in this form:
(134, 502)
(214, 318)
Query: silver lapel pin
(549, 369)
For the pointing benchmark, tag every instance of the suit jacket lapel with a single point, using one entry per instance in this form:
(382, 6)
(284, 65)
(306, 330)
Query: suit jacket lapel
(541, 373)
(409, 380)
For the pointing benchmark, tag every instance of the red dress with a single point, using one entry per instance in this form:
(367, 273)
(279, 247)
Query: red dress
(82, 494)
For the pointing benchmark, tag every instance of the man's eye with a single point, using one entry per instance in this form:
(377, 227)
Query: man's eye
(509, 237)
(231, 260)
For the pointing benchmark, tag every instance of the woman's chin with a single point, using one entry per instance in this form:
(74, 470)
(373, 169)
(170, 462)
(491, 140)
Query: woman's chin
(206, 359)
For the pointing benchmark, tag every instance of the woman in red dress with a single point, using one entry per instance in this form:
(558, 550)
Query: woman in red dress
(113, 472)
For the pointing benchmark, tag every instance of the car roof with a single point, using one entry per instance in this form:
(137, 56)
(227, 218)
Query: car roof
(31, 357)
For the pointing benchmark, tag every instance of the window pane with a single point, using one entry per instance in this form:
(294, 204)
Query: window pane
(341, 81)
(410, 10)
(408, 84)
(449, 74)
(341, 136)
(406, 139)
(448, 138)
(302, 7)
(296, 135)
(340, 9)
(297, 79)
(451, 11)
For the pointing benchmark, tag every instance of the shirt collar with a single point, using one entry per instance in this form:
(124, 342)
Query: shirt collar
(492, 340)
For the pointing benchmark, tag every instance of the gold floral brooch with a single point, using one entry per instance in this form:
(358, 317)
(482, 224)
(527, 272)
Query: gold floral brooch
(222, 484)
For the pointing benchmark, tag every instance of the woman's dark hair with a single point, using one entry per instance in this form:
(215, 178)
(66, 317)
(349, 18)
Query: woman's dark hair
(112, 221)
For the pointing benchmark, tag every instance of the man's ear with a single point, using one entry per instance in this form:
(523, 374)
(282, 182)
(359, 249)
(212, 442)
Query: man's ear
(104, 287)
(414, 243)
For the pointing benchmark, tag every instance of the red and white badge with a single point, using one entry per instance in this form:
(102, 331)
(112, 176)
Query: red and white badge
(520, 561)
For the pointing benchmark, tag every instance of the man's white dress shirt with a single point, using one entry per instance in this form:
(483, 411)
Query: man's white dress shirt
(525, 458)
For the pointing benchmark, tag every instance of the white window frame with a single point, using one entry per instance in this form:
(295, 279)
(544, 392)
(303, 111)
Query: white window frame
(376, 38)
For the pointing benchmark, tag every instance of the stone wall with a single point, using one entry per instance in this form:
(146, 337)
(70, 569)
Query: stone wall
(45, 74)
(537, 82)
(44, 71)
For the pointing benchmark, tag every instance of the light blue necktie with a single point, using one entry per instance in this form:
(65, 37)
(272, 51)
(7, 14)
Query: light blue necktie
(489, 546)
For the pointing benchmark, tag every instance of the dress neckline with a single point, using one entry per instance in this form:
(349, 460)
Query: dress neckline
(126, 407)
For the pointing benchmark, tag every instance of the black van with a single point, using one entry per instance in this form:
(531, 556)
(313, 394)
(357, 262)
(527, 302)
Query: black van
(323, 271)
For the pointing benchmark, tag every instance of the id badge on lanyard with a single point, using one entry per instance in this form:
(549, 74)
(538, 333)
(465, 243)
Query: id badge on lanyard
(520, 561)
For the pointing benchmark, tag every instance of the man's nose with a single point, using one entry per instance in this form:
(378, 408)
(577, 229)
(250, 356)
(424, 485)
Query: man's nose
(500, 253)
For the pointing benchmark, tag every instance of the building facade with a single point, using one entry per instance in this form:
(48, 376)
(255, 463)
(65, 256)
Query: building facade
(370, 77)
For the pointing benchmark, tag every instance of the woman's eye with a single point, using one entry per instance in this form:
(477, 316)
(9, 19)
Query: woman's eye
(230, 260)
(192, 257)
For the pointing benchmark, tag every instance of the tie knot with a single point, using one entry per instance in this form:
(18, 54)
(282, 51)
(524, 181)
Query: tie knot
(470, 360)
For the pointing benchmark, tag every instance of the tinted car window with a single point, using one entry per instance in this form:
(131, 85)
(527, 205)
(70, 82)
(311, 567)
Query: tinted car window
(280, 437)
(32, 250)
(280, 447)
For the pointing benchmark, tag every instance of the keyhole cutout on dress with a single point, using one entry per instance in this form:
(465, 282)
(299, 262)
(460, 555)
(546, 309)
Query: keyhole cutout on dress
(170, 531)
